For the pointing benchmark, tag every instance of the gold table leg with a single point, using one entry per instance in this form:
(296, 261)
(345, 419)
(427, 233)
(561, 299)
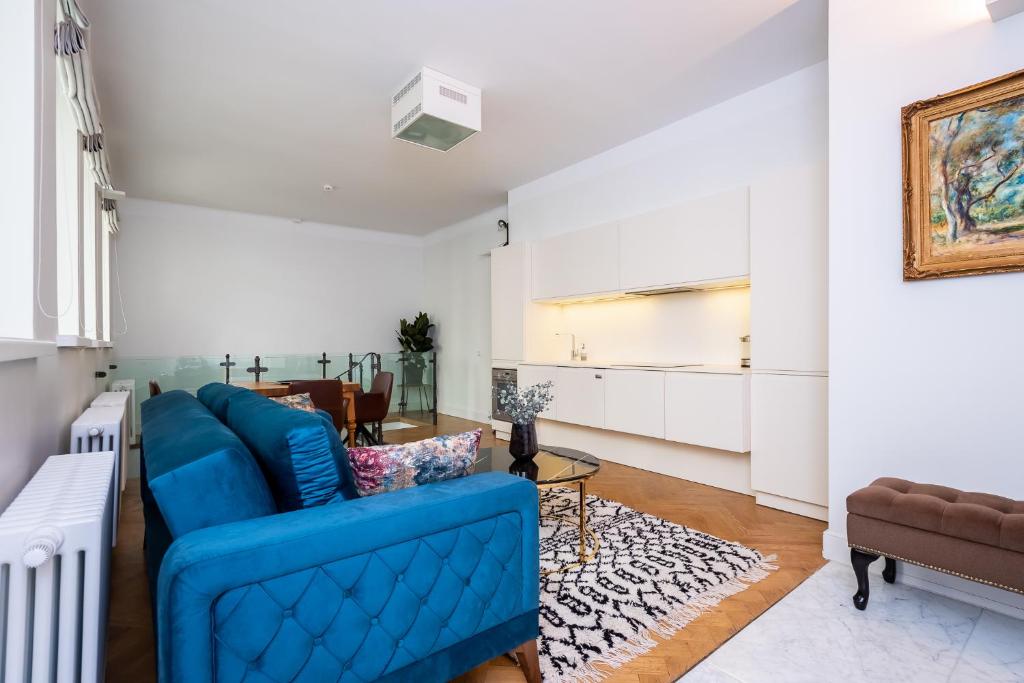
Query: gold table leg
(584, 556)
(583, 520)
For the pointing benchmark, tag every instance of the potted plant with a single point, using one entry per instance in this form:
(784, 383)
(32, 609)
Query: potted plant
(414, 339)
(523, 407)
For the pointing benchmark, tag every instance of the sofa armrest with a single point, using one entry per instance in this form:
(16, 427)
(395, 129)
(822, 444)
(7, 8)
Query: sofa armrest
(372, 584)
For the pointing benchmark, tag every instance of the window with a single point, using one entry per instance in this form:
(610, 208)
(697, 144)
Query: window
(83, 238)
(51, 284)
(70, 181)
(18, 170)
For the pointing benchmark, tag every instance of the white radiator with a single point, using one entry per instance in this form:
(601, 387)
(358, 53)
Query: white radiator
(55, 572)
(105, 428)
(129, 386)
(122, 401)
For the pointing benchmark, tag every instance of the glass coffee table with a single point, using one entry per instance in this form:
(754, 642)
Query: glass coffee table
(551, 468)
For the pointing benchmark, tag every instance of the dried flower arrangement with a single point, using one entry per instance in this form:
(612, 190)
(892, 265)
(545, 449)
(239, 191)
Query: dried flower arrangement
(525, 405)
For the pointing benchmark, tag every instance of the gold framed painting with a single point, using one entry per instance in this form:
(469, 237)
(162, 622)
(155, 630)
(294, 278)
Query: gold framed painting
(963, 181)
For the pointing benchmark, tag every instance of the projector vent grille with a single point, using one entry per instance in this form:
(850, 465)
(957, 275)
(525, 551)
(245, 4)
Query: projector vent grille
(452, 94)
(405, 90)
(413, 113)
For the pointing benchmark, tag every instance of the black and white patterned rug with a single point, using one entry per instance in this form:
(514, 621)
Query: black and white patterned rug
(650, 577)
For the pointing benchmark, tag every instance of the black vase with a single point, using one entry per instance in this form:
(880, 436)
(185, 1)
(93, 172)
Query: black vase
(523, 441)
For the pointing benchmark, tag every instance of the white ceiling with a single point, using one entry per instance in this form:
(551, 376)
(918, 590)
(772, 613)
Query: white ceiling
(254, 105)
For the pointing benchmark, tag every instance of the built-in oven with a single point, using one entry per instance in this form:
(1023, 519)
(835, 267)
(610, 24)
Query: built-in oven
(501, 378)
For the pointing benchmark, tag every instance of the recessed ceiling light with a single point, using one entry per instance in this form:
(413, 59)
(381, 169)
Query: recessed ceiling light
(328, 187)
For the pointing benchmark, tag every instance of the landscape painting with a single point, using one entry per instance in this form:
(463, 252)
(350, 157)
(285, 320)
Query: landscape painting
(964, 181)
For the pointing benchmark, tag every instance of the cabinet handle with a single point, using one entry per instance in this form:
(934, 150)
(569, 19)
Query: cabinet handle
(597, 376)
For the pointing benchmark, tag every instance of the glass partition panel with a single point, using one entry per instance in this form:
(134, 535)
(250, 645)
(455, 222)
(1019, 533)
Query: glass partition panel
(415, 393)
(183, 372)
(283, 368)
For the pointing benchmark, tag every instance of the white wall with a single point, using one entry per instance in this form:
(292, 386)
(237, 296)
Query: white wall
(201, 281)
(40, 397)
(730, 145)
(457, 287)
(925, 376)
(723, 147)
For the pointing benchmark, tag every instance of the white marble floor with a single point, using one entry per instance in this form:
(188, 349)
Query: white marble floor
(816, 635)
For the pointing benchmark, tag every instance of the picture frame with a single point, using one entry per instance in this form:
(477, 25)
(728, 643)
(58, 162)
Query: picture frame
(963, 181)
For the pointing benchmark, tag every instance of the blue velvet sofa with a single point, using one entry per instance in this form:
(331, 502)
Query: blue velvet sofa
(421, 584)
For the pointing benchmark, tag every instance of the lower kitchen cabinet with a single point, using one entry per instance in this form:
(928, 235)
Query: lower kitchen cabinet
(580, 397)
(789, 436)
(634, 402)
(708, 409)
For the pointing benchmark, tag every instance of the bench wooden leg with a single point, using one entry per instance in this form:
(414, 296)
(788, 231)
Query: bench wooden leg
(860, 561)
(889, 573)
(529, 662)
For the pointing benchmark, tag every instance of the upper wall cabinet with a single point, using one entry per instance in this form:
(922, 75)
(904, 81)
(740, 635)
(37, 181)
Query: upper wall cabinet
(789, 285)
(577, 264)
(699, 240)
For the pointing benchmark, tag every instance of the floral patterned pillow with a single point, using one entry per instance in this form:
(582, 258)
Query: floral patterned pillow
(378, 469)
(297, 401)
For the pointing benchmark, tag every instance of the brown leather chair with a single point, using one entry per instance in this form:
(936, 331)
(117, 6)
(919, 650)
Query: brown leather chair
(372, 407)
(326, 395)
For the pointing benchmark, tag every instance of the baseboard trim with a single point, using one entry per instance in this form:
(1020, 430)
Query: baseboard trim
(834, 547)
(797, 507)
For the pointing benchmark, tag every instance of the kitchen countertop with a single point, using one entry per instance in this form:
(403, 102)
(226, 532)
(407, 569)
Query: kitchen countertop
(713, 368)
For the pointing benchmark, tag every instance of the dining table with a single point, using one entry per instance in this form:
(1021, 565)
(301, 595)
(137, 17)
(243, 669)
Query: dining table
(348, 393)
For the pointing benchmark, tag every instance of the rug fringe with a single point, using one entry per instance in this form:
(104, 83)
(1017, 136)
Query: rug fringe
(643, 642)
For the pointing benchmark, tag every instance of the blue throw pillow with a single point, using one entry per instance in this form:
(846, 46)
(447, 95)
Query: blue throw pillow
(199, 471)
(215, 396)
(301, 453)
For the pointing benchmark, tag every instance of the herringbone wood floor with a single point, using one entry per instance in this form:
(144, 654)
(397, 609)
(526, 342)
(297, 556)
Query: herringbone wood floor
(795, 540)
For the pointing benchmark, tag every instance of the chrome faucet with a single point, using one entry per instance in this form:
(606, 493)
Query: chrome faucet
(575, 354)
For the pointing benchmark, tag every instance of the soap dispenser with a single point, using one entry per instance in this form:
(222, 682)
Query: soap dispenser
(583, 351)
(745, 351)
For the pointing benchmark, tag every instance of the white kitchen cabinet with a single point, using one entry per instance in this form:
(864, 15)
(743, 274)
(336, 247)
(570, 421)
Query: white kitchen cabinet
(634, 402)
(509, 272)
(580, 397)
(788, 294)
(576, 264)
(789, 437)
(708, 409)
(529, 375)
(701, 239)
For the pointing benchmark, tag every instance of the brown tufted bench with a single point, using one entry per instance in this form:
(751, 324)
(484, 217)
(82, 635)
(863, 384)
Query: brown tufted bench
(976, 536)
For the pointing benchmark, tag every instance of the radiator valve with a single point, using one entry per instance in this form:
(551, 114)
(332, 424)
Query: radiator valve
(42, 545)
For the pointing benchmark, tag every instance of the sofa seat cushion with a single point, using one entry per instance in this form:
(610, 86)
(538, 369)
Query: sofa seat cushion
(978, 517)
(216, 395)
(198, 471)
(301, 453)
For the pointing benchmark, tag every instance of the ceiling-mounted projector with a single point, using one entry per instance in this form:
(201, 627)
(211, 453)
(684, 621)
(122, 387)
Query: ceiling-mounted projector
(434, 110)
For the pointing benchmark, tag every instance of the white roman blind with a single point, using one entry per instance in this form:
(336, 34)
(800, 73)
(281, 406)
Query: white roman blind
(75, 72)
